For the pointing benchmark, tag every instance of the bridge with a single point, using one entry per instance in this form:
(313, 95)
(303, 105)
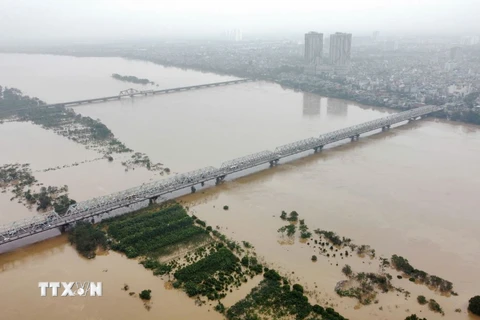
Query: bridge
(134, 92)
(152, 191)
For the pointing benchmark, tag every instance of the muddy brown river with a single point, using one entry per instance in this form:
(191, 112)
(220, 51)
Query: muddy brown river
(411, 191)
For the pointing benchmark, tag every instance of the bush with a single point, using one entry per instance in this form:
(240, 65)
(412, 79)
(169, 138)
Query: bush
(318, 309)
(225, 207)
(422, 300)
(220, 307)
(272, 275)
(297, 287)
(305, 234)
(434, 306)
(146, 295)
(414, 317)
(290, 229)
(283, 216)
(474, 305)
(347, 270)
(402, 264)
(200, 222)
(87, 238)
(314, 258)
(293, 216)
(412, 279)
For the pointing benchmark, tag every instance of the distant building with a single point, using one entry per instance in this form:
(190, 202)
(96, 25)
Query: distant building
(449, 66)
(390, 45)
(470, 40)
(375, 36)
(234, 35)
(459, 90)
(313, 48)
(340, 49)
(455, 53)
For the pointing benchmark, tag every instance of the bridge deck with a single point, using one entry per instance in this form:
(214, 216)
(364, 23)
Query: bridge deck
(146, 92)
(96, 206)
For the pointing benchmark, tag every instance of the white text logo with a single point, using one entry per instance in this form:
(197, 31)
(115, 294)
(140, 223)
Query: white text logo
(71, 289)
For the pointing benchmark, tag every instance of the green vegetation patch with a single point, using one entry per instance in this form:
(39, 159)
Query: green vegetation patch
(87, 238)
(131, 79)
(474, 305)
(435, 307)
(154, 233)
(363, 286)
(289, 229)
(275, 299)
(14, 106)
(332, 237)
(146, 294)
(422, 300)
(18, 177)
(402, 264)
(210, 276)
(304, 233)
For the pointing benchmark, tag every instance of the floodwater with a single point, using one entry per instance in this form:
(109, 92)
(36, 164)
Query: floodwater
(58, 78)
(410, 191)
(56, 260)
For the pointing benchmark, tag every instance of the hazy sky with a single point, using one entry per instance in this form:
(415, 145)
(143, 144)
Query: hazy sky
(80, 20)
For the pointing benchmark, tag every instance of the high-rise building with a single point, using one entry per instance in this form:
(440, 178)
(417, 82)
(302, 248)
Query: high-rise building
(340, 49)
(313, 47)
(234, 35)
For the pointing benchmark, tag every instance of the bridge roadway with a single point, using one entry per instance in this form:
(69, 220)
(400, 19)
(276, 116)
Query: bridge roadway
(151, 191)
(133, 93)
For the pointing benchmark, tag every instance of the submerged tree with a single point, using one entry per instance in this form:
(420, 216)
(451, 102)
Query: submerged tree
(474, 305)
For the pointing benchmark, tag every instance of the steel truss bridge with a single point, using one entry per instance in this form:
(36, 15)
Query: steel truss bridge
(151, 191)
(133, 92)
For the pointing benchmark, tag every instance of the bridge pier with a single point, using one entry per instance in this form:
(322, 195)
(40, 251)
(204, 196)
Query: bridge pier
(274, 162)
(152, 200)
(193, 189)
(355, 137)
(220, 179)
(203, 183)
(317, 149)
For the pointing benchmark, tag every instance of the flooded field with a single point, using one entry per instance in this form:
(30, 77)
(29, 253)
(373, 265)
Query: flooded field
(410, 191)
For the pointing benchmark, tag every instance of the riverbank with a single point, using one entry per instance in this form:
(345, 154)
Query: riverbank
(312, 85)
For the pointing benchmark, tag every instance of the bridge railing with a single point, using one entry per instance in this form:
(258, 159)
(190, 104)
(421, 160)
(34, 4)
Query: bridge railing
(247, 161)
(298, 146)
